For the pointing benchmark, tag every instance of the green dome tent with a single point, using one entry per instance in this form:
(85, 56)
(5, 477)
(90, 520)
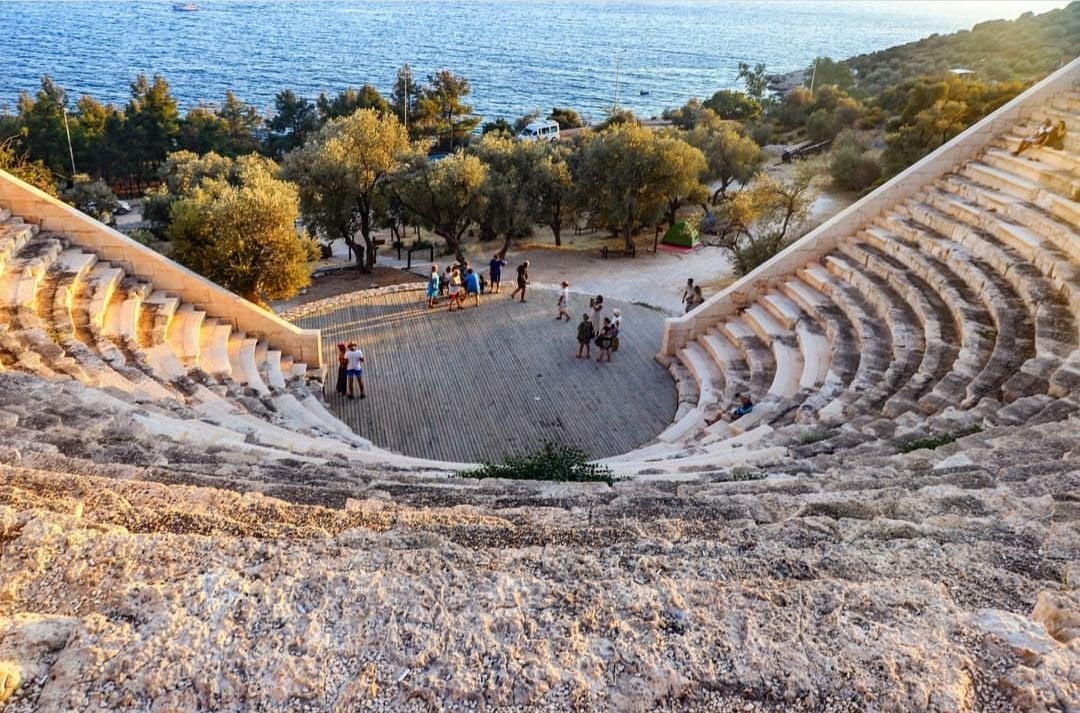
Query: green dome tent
(682, 235)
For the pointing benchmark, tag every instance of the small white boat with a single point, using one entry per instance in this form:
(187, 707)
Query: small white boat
(186, 7)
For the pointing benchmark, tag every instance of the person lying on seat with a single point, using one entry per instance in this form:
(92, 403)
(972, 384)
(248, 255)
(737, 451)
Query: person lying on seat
(1039, 138)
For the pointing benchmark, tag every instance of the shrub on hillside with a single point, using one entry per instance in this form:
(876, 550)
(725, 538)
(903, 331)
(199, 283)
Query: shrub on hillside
(851, 168)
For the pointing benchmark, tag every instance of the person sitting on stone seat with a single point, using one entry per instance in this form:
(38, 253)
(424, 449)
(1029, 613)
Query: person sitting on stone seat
(745, 406)
(1039, 138)
(1056, 139)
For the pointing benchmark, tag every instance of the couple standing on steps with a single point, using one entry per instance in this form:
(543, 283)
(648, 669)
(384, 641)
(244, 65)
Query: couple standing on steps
(350, 369)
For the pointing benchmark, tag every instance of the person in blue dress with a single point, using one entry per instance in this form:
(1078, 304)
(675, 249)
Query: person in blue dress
(433, 286)
(472, 286)
(496, 265)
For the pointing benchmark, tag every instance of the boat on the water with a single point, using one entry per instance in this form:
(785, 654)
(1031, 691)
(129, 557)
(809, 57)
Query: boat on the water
(186, 7)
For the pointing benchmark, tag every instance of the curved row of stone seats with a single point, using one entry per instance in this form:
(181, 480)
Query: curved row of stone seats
(965, 296)
(65, 314)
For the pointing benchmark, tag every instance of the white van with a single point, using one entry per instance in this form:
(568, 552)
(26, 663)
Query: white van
(540, 131)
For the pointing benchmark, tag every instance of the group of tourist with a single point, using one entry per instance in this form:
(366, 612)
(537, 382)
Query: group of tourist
(460, 281)
(594, 328)
(350, 369)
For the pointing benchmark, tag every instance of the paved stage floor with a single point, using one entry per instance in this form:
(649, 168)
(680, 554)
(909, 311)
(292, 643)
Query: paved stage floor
(496, 380)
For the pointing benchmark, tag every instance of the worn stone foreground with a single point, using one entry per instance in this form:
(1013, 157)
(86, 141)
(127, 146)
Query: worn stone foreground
(940, 580)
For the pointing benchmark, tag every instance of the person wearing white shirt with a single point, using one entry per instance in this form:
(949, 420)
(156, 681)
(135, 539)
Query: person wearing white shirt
(564, 300)
(354, 369)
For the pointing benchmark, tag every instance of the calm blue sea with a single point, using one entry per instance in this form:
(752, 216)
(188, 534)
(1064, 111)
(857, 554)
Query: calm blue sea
(520, 55)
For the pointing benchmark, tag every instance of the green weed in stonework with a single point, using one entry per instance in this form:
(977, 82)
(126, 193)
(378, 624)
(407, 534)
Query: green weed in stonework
(552, 462)
(932, 442)
(815, 436)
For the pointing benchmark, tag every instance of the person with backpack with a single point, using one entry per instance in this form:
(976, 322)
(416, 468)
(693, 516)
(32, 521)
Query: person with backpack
(607, 335)
(584, 336)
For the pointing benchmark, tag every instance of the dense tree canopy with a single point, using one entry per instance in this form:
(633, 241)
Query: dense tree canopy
(446, 195)
(730, 155)
(442, 111)
(341, 171)
(635, 175)
(241, 233)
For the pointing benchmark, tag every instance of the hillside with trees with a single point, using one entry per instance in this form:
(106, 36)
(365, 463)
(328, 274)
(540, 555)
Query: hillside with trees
(1023, 50)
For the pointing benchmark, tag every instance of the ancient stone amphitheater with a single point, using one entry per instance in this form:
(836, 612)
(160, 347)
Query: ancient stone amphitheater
(895, 527)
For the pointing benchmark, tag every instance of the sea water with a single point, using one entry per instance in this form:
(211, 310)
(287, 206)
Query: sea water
(519, 55)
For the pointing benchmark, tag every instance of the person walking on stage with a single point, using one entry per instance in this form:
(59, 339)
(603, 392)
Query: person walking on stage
(354, 365)
(522, 280)
(495, 272)
(433, 286)
(564, 301)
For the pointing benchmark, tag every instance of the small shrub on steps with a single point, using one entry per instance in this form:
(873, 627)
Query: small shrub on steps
(932, 442)
(552, 462)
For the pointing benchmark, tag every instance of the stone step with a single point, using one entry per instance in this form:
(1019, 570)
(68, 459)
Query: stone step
(844, 357)
(1055, 327)
(928, 386)
(272, 369)
(976, 329)
(157, 313)
(1056, 266)
(25, 271)
(787, 359)
(14, 234)
(242, 362)
(733, 366)
(214, 347)
(1063, 235)
(757, 355)
(1014, 322)
(1065, 209)
(184, 334)
(868, 388)
(905, 335)
(1061, 181)
(707, 374)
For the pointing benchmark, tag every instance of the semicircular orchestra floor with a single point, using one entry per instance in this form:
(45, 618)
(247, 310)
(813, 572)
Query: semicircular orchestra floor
(497, 380)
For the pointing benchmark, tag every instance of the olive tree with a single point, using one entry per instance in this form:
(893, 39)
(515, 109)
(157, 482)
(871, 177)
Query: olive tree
(446, 195)
(766, 217)
(241, 233)
(730, 155)
(631, 176)
(340, 172)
